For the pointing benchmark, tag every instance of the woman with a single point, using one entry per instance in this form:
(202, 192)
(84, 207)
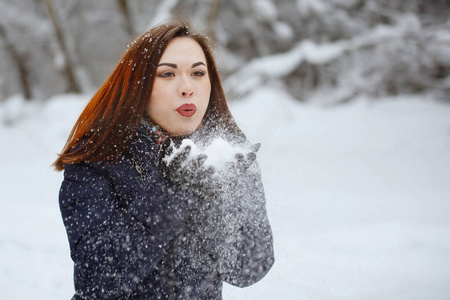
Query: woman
(145, 215)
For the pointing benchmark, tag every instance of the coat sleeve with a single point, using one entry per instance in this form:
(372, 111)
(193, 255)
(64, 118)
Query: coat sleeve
(114, 249)
(239, 230)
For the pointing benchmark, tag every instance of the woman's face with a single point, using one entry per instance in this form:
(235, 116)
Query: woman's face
(181, 88)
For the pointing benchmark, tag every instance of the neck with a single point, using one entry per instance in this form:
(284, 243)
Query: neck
(146, 121)
(156, 133)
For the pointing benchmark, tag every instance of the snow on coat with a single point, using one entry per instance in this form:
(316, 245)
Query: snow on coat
(140, 237)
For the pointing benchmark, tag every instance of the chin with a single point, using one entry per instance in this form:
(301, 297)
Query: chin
(184, 130)
(185, 127)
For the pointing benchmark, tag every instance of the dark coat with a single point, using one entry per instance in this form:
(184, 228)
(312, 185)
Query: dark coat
(139, 237)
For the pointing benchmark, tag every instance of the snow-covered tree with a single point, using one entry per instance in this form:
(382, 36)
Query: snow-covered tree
(321, 50)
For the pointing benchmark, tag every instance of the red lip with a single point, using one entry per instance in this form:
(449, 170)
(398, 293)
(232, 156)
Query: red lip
(187, 110)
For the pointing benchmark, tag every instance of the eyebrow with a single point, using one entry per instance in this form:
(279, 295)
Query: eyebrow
(176, 67)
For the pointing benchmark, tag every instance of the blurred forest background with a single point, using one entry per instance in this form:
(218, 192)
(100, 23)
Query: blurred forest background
(319, 50)
(358, 195)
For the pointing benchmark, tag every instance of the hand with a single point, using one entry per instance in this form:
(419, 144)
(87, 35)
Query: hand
(244, 162)
(234, 169)
(190, 173)
(187, 173)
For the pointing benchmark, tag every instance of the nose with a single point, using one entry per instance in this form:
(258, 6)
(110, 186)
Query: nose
(186, 88)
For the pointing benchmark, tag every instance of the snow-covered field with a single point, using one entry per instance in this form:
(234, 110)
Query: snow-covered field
(358, 196)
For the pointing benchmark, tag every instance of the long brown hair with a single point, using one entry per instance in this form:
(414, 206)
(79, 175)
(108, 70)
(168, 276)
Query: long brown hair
(110, 120)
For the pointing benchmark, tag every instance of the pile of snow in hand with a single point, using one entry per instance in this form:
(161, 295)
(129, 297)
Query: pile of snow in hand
(219, 153)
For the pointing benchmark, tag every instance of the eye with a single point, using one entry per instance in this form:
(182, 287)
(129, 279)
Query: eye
(166, 74)
(199, 73)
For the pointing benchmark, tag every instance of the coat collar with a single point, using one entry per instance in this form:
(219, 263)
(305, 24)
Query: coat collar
(144, 155)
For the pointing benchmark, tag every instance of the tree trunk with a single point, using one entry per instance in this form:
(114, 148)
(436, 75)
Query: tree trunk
(125, 11)
(69, 70)
(19, 63)
(211, 20)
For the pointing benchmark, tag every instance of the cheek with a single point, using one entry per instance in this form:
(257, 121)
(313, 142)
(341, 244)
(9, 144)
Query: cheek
(157, 100)
(207, 93)
(151, 103)
(154, 108)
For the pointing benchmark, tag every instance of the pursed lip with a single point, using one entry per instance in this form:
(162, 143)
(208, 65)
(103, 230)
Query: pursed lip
(187, 109)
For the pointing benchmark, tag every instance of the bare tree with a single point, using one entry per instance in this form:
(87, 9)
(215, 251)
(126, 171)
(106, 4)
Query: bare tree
(19, 62)
(69, 70)
(383, 47)
(125, 11)
(211, 19)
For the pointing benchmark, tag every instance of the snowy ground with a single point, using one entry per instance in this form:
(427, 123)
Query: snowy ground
(358, 197)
